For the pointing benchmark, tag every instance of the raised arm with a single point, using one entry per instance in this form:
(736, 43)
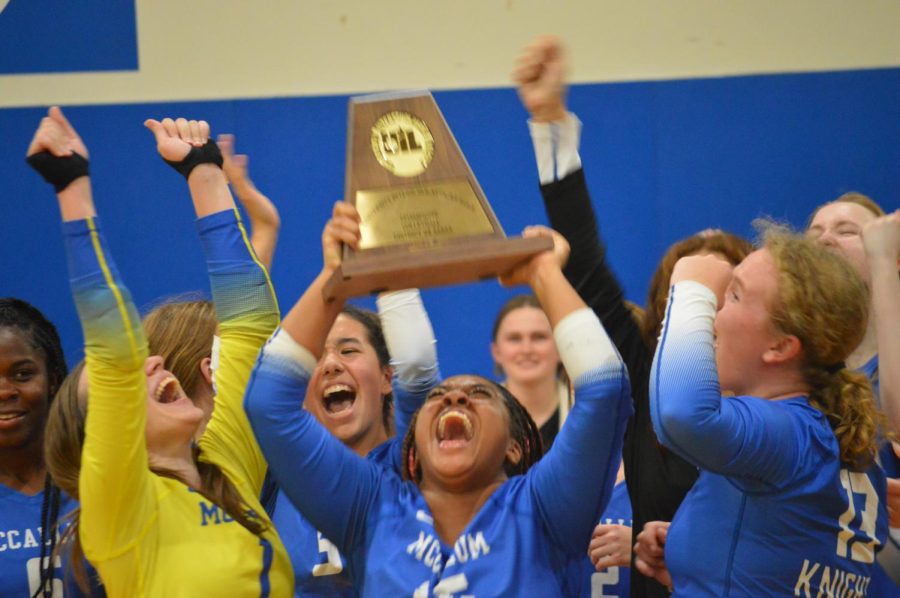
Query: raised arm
(748, 438)
(413, 348)
(330, 485)
(242, 293)
(882, 242)
(540, 77)
(265, 223)
(572, 484)
(115, 491)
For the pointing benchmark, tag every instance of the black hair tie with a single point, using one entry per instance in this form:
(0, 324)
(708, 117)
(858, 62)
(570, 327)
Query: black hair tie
(836, 368)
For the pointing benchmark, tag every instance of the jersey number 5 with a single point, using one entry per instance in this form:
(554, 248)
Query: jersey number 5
(862, 550)
(333, 565)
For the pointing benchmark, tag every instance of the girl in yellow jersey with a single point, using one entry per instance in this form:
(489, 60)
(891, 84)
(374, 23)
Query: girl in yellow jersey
(161, 516)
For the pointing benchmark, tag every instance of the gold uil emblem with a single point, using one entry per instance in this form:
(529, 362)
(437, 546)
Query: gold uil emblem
(402, 144)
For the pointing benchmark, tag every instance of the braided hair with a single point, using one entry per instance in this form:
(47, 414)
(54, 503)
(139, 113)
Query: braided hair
(522, 429)
(41, 334)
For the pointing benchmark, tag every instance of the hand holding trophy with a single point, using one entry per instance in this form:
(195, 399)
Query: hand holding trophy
(425, 221)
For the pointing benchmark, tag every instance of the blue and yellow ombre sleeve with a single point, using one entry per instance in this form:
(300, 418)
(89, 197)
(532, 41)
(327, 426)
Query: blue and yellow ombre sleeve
(115, 488)
(247, 311)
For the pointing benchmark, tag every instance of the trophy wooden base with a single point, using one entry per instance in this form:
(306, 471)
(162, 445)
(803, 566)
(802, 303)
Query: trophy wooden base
(453, 263)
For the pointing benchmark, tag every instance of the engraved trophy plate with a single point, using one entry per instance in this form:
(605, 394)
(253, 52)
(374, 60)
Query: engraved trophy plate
(425, 220)
(421, 215)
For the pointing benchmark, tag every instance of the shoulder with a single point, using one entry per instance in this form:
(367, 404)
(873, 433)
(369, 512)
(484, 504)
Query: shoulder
(792, 422)
(383, 453)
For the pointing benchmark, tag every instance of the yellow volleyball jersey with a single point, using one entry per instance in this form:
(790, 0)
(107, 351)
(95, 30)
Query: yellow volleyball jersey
(149, 535)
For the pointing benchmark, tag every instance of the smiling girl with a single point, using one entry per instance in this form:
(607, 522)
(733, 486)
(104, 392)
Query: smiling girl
(160, 514)
(31, 369)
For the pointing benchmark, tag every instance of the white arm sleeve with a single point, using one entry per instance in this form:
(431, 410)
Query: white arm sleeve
(583, 343)
(556, 147)
(409, 335)
(282, 346)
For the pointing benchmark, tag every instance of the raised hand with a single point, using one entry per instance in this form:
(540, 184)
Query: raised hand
(540, 75)
(265, 221)
(708, 269)
(175, 138)
(557, 257)
(57, 136)
(881, 237)
(235, 165)
(342, 228)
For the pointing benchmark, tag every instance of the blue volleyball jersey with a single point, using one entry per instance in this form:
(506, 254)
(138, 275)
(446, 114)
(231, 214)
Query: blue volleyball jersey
(882, 584)
(20, 538)
(774, 512)
(523, 539)
(319, 567)
(613, 582)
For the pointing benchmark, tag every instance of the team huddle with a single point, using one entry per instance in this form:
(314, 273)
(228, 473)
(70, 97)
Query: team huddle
(730, 438)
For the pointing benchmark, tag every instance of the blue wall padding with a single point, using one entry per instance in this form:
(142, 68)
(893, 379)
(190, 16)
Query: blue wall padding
(664, 159)
(61, 36)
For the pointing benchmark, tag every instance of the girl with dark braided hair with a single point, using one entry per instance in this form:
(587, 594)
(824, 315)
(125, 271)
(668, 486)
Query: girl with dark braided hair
(32, 367)
(475, 510)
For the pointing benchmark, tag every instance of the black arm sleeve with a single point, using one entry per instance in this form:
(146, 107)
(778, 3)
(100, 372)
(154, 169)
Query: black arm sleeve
(657, 479)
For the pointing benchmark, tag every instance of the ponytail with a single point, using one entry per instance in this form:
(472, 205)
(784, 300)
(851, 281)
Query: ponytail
(846, 398)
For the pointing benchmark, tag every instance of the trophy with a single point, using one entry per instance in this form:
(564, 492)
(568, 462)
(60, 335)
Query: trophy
(425, 221)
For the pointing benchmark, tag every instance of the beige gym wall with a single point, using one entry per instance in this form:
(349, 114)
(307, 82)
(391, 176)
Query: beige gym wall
(210, 49)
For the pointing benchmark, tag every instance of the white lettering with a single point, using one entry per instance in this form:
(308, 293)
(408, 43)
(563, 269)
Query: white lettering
(804, 579)
(451, 585)
(431, 557)
(607, 577)
(418, 547)
(462, 552)
(333, 564)
(477, 545)
(832, 582)
(30, 542)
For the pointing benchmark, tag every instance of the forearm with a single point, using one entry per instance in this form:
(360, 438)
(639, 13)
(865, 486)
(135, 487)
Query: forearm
(248, 313)
(265, 223)
(241, 288)
(555, 294)
(410, 341)
(76, 202)
(556, 146)
(886, 312)
(571, 213)
(309, 321)
(740, 436)
(409, 336)
(209, 190)
(112, 328)
(683, 407)
(574, 480)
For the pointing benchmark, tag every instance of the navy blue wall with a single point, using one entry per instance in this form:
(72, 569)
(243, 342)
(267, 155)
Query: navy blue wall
(664, 159)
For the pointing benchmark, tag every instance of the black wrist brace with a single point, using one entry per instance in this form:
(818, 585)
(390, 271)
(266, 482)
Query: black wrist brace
(208, 154)
(59, 171)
